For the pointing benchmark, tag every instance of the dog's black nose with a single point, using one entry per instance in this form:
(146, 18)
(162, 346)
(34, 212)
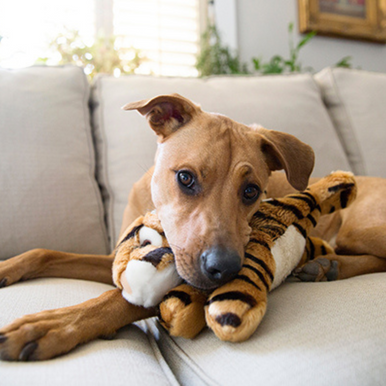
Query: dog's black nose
(220, 264)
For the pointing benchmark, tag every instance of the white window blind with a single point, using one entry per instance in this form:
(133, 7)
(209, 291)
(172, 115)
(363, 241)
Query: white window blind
(166, 31)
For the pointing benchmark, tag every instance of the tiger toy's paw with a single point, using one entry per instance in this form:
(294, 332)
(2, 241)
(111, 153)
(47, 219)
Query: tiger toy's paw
(144, 266)
(233, 315)
(181, 311)
(320, 269)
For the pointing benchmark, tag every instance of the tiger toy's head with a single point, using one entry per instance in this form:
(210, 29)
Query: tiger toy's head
(144, 266)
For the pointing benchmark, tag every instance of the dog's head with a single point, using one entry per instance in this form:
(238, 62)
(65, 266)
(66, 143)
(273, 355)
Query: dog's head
(209, 177)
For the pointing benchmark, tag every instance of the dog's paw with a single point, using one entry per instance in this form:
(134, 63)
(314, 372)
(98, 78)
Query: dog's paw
(234, 316)
(11, 271)
(38, 336)
(26, 266)
(320, 269)
(181, 311)
(3, 282)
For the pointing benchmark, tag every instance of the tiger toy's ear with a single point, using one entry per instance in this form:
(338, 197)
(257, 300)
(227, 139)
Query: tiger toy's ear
(144, 266)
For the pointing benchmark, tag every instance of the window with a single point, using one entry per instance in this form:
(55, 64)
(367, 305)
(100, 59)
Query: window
(27, 27)
(166, 32)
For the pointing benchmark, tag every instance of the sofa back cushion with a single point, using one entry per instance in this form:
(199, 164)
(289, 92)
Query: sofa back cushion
(356, 101)
(49, 197)
(126, 145)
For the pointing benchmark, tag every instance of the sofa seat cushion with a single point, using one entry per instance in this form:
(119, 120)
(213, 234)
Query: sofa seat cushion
(131, 358)
(49, 195)
(126, 145)
(329, 333)
(356, 101)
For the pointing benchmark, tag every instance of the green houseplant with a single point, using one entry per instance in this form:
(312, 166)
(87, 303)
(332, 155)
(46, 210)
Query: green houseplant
(216, 58)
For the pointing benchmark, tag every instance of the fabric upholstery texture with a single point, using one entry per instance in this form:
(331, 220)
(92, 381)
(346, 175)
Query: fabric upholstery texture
(126, 145)
(128, 359)
(49, 197)
(313, 334)
(356, 101)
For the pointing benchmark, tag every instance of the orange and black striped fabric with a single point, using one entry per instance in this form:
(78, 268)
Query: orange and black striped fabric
(279, 243)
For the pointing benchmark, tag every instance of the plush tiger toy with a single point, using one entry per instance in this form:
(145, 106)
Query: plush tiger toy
(144, 267)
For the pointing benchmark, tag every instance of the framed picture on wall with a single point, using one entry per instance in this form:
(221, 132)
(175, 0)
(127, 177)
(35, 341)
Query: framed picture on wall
(354, 19)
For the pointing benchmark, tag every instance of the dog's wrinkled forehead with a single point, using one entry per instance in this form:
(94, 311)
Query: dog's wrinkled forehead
(213, 144)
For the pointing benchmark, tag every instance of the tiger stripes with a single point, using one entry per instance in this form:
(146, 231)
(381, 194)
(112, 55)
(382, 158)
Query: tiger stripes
(234, 310)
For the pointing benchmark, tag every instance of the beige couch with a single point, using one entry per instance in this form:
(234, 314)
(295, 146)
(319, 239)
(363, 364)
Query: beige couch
(68, 158)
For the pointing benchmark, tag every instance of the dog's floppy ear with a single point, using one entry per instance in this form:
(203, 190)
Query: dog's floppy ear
(165, 113)
(284, 151)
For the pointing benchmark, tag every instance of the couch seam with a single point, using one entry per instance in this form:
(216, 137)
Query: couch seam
(331, 120)
(109, 206)
(358, 149)
(92, 157)
(332, 84)
(160, 358)
(186, 359)
(360, 71)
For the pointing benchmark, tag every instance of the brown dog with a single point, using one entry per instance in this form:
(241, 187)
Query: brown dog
(209, 177)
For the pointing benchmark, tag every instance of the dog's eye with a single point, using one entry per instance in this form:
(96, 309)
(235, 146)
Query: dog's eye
(186, 179)
(251, 194)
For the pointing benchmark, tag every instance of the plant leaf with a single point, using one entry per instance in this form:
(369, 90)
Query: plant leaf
(344, 62)
(256, 63)
(306, 39)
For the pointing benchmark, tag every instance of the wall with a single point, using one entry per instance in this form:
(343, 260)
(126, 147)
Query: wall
(262, 32)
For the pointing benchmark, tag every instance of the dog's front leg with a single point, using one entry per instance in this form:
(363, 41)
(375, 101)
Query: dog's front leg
(51, 333)
(46, 263)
